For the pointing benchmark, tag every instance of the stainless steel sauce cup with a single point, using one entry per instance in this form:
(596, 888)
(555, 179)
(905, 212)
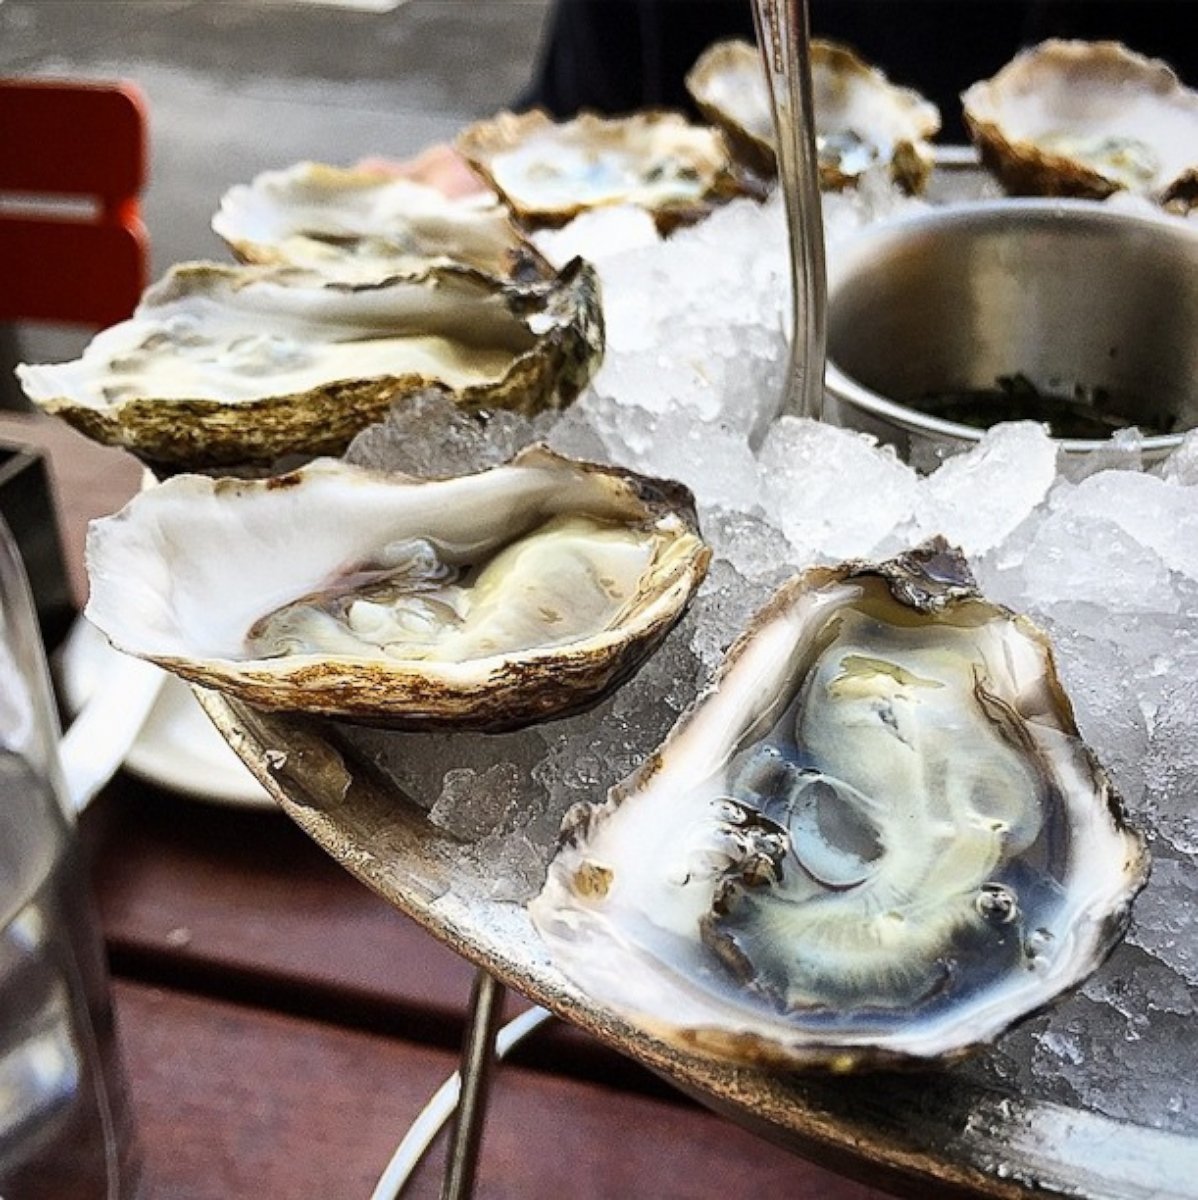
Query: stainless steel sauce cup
(1065, 293)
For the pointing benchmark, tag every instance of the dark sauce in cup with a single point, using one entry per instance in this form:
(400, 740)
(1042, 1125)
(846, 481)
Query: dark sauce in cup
(1083, 413)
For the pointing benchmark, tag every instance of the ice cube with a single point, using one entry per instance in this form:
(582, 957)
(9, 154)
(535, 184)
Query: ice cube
(1100, 680)
(977, 499)
(874, 198)
(1157, 513)
(574, 435)
(1078, 557)
(1123, 451)
(712, 458)
(1181, 467)
(756, 548)
(599, 234)
(834, 493)
(475, 803)
(722, 610)
(1165, 917)
(1171, 763)
(428, 435)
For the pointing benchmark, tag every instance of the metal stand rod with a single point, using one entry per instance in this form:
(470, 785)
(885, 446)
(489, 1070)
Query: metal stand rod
(441, 1107)
(478, 1058)
(784, 38)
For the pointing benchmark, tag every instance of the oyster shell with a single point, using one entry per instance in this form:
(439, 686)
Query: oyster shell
(484, 601)
(361, 224)
(877, 838)
(860, 117)
(1073, 118)
(229, 365)
(549, 172)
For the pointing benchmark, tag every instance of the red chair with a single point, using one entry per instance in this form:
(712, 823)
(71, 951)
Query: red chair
(72, 166)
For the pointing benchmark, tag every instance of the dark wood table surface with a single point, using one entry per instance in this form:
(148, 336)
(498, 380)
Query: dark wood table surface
(282, 1025)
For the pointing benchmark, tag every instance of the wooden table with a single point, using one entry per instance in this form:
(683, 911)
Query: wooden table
(282, 1025)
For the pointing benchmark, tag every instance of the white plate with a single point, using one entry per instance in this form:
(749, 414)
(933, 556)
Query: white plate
(178, 748)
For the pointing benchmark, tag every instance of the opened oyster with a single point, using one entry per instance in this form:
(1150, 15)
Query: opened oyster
(877, 838)
(860, 117)
(1071, 118)
(549, 172)
(362, 224)
(485, 601)
(229, 365)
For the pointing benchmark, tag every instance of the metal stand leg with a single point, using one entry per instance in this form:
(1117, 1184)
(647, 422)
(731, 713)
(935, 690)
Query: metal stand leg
(11, 396)
(478, 1057)
(433, 1117)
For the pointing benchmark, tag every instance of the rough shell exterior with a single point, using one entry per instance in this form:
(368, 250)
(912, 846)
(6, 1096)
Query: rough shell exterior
(1067, 78)
(750, 133)
(175, 433)
(355, 220)
(194, 547)
(647, 139)
(728, 85)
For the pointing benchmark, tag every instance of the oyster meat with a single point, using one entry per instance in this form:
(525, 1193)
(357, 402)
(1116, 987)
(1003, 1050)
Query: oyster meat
(226, 365)
(360, 224)
(1074, 118)
(877, 838)
(861, 118)
(484, 601)
(549, 172)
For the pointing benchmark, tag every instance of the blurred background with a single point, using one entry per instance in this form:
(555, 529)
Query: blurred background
(239, 86)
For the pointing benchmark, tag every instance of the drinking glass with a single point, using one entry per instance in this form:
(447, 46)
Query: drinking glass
(65, 1123)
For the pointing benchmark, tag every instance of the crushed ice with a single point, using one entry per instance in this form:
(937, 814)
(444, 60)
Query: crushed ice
(1101, 552)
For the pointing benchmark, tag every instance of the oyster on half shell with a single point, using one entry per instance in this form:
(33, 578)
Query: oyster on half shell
(224, 365)
(549, 171)
(359, 223)
(484, 601)
(877, 838)
(861, 118)
(1074, 118)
